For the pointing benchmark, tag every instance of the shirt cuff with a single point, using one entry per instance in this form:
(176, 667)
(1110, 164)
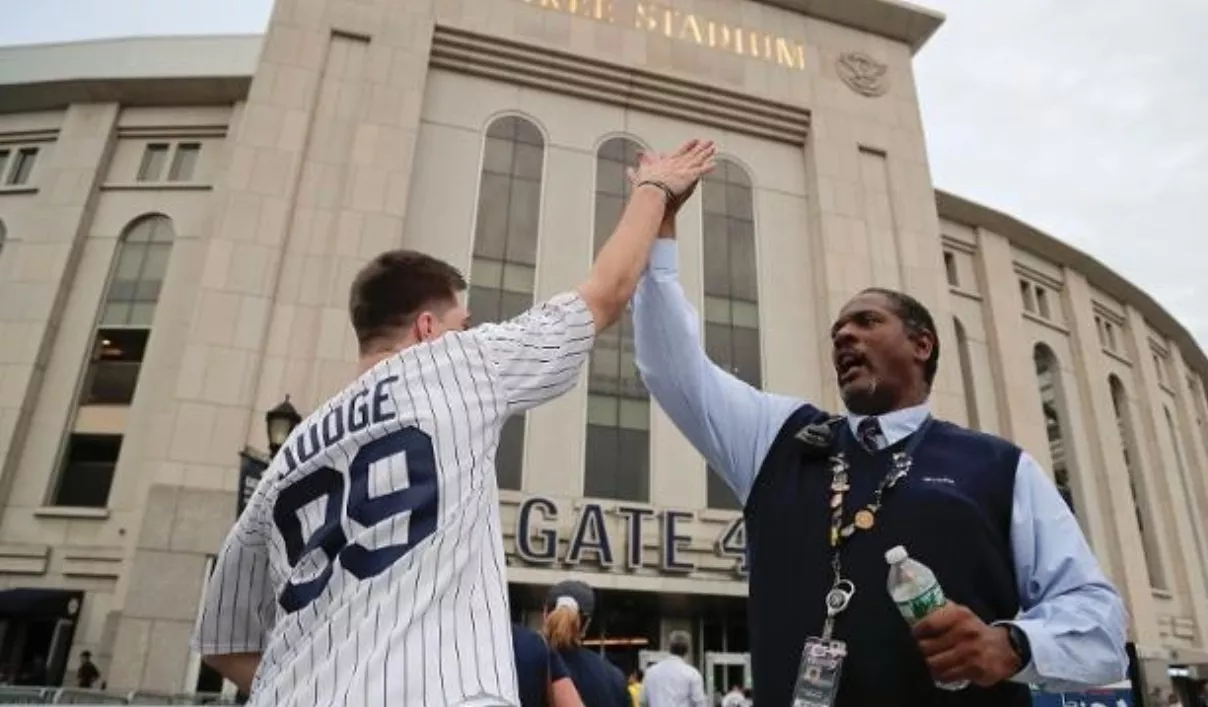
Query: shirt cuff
(664, 260)
(1029, 674)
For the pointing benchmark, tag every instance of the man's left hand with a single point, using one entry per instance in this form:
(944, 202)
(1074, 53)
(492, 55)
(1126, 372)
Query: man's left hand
(960, 646)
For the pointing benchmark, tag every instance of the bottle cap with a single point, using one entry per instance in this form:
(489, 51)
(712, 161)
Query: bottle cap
(895, 554)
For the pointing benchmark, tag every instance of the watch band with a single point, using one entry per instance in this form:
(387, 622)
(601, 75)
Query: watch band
(670, 195)
(1020, 644)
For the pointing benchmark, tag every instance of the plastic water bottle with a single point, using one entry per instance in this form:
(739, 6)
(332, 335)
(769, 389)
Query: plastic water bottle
(916, 591)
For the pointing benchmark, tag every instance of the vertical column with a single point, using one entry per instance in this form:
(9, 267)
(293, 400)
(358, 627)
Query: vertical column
(1145, 410)
(42, 264)
(317, 183)
(1015, 372)
(1190, 509)
(1115, 534)
(556, 432)
(873, 219)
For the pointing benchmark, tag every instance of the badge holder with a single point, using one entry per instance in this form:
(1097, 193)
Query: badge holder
(822, 658)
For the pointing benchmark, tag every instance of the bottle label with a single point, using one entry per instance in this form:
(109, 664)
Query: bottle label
(913, 610)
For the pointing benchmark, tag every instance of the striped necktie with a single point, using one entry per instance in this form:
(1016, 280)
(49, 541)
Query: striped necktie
(869, 433)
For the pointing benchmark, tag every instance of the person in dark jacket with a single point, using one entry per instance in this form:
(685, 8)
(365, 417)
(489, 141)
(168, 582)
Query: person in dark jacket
(543, 677)
(568, 610)
(825, 496)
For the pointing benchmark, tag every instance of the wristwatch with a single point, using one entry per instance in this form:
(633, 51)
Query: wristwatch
(1019, 644)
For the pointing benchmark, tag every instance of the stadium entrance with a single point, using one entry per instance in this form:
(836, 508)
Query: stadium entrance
(631, 628)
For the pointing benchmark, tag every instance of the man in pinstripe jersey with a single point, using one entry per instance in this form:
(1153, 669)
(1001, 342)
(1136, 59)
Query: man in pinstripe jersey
(368, 566)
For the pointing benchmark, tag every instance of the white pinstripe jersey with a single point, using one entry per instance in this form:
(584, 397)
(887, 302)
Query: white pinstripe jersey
(368, 567)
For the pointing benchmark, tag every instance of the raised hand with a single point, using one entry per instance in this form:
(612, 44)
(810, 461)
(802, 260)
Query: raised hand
(679, 171)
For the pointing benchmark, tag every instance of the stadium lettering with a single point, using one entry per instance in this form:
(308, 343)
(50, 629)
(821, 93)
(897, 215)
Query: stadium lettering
(537, 540)
(674, 24)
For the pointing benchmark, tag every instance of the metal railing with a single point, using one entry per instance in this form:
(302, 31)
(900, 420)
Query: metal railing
(12, 695)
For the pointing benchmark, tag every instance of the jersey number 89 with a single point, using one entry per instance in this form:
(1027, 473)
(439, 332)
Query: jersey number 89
(414, 506)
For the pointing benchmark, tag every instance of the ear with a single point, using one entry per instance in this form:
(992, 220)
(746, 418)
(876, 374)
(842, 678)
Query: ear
(424, 326)
(924, 344)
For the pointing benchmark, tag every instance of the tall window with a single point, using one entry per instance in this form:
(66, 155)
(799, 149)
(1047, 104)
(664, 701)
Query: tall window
(617, 461)
(118, 348)
(1051, 403)
(1194, 519)
(968, 381)
(505, 250)
(950, 269)
(16, 165)
(1136, 482)
(731, 288)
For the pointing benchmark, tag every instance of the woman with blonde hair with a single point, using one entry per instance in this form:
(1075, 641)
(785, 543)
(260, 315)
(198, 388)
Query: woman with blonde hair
(568, 610)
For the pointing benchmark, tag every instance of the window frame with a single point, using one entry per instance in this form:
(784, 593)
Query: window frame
(511, 277)
(618, 480)
(13, 158)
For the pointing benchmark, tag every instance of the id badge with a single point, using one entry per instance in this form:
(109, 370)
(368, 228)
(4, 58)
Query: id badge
(818, 675)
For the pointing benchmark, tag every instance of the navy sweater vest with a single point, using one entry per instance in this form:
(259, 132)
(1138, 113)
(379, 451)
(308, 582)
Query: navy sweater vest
(952, 512)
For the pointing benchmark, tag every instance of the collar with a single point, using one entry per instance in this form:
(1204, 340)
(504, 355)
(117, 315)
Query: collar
(896, 425)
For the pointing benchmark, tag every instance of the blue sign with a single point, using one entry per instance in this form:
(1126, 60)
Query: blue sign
(1106, 697)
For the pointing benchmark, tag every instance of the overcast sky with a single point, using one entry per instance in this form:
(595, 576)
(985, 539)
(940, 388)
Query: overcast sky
(1086, 118)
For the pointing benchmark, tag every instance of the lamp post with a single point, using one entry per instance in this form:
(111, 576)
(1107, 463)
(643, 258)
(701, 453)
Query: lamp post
(279, 423)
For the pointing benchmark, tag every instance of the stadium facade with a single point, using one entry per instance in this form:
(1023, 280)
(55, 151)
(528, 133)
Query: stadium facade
(180, 219)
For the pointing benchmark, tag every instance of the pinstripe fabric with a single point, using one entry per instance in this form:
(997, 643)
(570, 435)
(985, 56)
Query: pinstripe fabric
(385, 500)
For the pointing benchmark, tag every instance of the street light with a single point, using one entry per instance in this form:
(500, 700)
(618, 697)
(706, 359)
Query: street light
(280, 422)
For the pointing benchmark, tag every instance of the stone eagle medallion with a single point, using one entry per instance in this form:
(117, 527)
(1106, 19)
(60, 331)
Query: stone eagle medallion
(863, 74)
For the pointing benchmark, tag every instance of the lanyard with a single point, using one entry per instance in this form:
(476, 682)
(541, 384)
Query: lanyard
(842, 589)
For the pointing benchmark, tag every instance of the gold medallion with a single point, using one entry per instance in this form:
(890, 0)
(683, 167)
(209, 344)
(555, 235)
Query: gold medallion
(865, 519)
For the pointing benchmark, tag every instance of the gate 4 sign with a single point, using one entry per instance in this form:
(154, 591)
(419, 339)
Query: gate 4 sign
(537, 537)
(733, 543)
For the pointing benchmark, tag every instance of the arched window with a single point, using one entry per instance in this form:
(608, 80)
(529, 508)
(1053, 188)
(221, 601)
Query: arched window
(1194, 519)
(504, 268)
(1142, 506)
(968, 381)
(731, 288)
(617, 463)
(119, 346)
(1052, 405)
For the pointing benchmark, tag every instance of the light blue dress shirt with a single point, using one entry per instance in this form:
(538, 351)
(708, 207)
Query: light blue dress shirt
(1074, 618)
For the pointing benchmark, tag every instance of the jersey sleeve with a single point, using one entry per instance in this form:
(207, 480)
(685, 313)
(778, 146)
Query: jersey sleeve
(239, 606)
(538, 355)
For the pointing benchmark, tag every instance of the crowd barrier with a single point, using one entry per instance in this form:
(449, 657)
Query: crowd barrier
(11, 695)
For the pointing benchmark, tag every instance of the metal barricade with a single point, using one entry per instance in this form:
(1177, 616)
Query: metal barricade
(13, 695)
(80, 696)
(140, 697)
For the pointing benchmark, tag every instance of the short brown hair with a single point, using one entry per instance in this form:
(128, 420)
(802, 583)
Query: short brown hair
(394, 288)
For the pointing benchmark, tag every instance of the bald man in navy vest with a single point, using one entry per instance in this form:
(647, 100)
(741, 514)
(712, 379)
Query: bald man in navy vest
(1027, 600)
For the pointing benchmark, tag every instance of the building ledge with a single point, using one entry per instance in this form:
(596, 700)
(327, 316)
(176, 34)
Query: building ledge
(24, 559)
(895, 19)
(156, 186)
(72, 512)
